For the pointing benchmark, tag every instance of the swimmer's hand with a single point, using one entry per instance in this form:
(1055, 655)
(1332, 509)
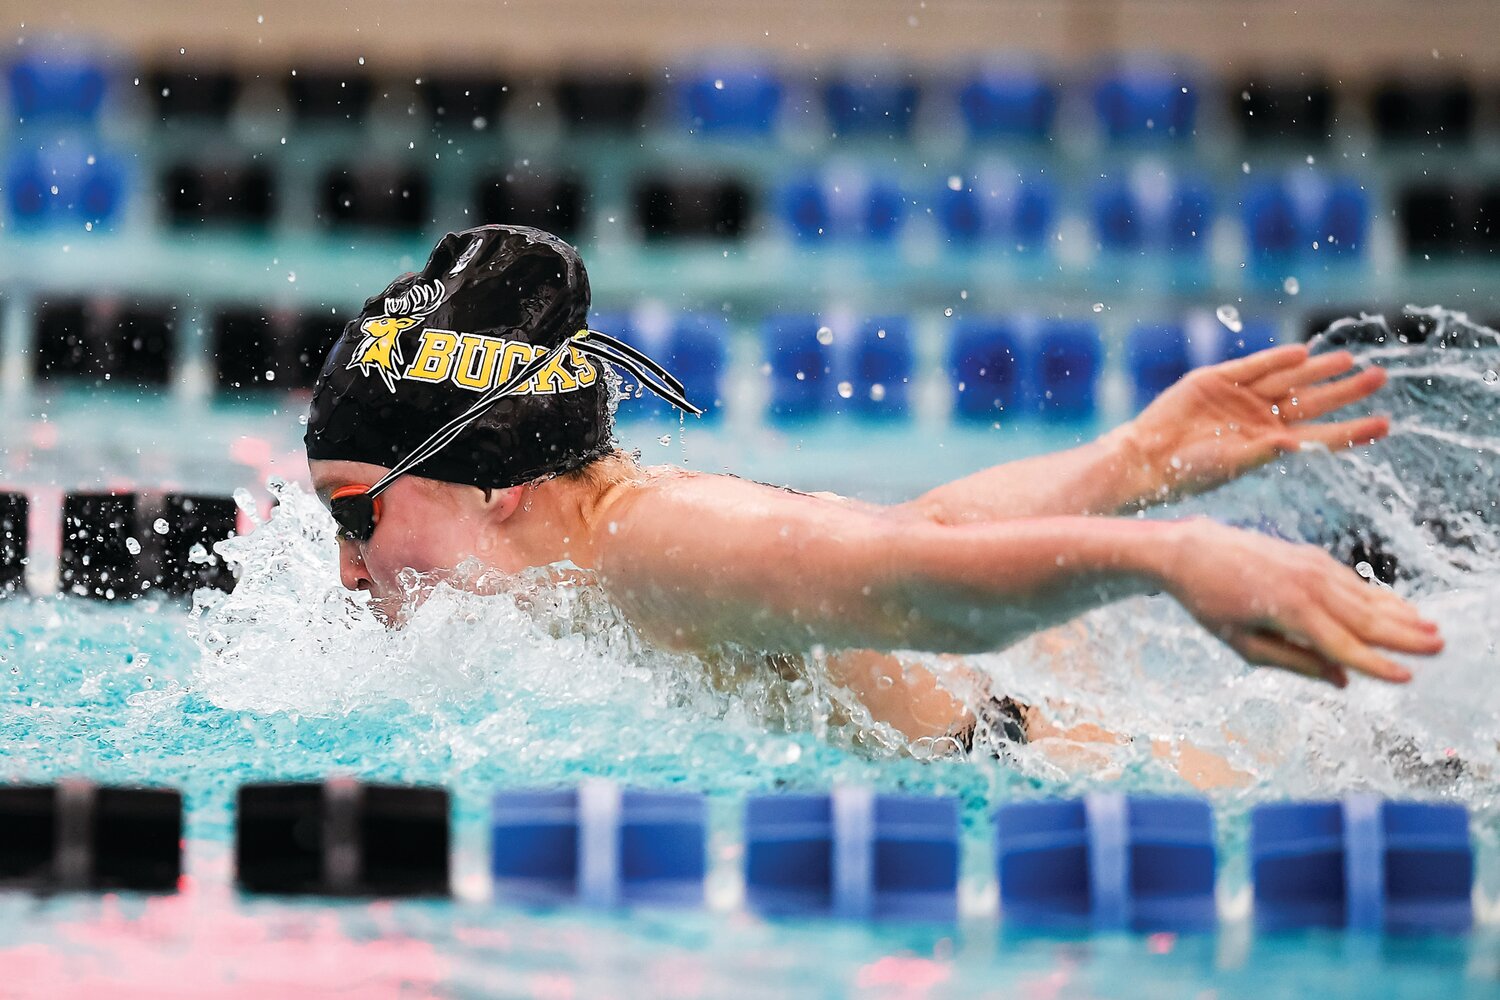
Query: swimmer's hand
(1293, 606)
(1221, 421)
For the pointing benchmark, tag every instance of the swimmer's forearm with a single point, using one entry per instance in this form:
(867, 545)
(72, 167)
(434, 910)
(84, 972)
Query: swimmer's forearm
(1105, 476)
(985, 587)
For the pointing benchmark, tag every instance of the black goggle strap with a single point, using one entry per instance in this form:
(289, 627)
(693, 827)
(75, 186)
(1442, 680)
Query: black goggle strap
(650, 374)
(606, 348)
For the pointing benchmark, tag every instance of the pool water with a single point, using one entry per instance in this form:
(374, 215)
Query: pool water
(289, 678)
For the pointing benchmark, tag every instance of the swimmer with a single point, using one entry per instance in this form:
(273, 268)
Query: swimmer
(464, 415)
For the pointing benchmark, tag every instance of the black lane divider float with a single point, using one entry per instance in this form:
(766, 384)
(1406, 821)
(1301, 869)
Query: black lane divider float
(117, 546)
(78, 836)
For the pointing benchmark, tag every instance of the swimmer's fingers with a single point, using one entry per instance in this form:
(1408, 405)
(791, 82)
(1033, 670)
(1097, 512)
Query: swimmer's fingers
(1321, 631)
(1252, 367)
(1308, 401)
(1381, 619)
(1344, 434)
(1265, 649)
(1305, 375)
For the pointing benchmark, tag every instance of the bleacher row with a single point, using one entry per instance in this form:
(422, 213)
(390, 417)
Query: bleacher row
(1106, 862)
(815, 366)
(976, 202)
(1006, 96)
(999, 208)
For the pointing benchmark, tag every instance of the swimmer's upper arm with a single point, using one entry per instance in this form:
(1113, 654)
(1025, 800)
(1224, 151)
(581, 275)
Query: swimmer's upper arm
(698, 561)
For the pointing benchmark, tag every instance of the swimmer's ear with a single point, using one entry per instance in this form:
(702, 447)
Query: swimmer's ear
(503, 503)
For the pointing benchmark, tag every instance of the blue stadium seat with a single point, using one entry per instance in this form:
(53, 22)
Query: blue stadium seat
(56, 86)
(1009, 102)
(800, 368)
(1065, 369)
(1189, 215)
(100, 188)
(1255, 335)
(1118, 215)
(872, 102)
(1017, 213)
(1146, 102)
(1174, 220)
(28, 190)
(1156, 355)
(986, 366)
(882, 368)
(697, 346)
(736, 98)
(1272, 218)
(1343, 217)
(88, 187)
(821, 209)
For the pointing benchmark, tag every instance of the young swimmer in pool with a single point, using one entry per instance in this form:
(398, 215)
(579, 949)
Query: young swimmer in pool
(465, 414)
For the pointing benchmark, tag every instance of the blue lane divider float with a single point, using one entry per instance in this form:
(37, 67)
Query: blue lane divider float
(1107, 862)
(599, 845)
(852, 854)
(1362, 864)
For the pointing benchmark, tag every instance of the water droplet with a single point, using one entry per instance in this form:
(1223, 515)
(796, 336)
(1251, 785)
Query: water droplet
(480, 122)
(955, 183)
(198, 555)
(160, 526)
(846, 390)
(132, 546)
(664, 440)
(948, 311)
(825, 335)
(1291, 285)
(1365, 570)
(1098, 307)
(877, 392)
(291, 276)
(244, 501)
(1491, 376)
(1230, 317)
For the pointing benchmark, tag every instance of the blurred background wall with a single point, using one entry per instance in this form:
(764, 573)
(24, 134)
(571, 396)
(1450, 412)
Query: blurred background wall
(1358, 38)
(1011, 193)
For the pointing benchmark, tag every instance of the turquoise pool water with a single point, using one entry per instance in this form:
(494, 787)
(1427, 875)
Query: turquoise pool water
(288, 678)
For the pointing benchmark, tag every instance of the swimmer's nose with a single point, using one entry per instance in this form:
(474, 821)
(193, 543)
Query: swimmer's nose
(352, 571)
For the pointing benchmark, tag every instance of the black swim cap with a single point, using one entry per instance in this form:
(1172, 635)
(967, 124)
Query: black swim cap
(422, 352)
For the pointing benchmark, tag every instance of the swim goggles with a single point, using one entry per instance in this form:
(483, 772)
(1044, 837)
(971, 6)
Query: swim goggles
(356, 507)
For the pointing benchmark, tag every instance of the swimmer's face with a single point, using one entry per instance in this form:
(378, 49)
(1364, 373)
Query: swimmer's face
(424, 525)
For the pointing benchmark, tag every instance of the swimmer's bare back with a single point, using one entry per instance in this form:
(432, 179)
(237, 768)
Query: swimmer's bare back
(699, 561)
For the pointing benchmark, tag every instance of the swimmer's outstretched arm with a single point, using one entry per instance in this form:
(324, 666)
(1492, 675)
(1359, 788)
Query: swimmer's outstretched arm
(704, 561)
(1214, 424)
